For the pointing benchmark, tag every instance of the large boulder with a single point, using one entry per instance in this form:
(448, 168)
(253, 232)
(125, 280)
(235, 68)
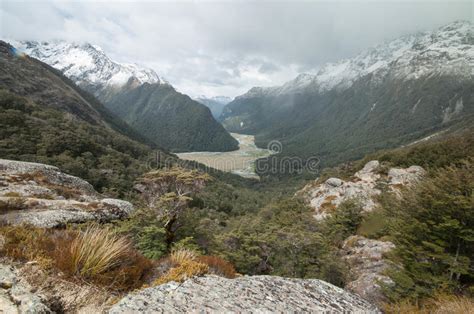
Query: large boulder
(367, 264)
(324, 197)
(43, 196)
(260, 294)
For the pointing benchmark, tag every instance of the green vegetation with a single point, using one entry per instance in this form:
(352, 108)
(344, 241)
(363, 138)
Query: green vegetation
(339, 126)
(432, 227)
(170, 119)
(30, 132)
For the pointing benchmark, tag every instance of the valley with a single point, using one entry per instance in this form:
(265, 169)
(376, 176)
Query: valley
(240, 162)
(249, 180)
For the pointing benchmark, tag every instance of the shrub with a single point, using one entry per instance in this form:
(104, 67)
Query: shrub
(433, 234)
(182, 255)
(187, 269)
(218, 266)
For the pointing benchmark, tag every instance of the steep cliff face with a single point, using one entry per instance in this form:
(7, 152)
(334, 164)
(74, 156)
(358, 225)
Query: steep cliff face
(245, 294)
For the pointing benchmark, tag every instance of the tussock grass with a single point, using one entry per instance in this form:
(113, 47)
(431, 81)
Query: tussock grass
(95, 255)
(440, 304)
(96, 250)
(218, 266)
(180, 256)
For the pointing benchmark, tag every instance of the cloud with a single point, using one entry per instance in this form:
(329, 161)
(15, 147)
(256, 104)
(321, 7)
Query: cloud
(226, 47)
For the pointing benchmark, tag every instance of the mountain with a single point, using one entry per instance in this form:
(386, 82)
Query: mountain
(215, 104)
(159, 110)
(46, 118)
(137, 95)
(387, 96)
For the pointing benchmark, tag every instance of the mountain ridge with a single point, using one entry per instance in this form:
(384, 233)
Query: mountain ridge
(166, 117)
(411, 95)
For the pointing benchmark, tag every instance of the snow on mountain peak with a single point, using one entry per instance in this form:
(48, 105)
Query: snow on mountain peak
(87, 64)
(449, 49)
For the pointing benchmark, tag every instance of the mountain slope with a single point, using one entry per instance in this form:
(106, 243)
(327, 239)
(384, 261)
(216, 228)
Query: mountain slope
(45, 118)
(387, 96)
(138, 95)
(157, 109)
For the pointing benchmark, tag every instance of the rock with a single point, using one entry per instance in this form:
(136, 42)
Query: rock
(365, 258)
(16, 296)
(325, 197)
(334, 182)
(368, 172)
(244, 294)
(407, 176)
(42, 196)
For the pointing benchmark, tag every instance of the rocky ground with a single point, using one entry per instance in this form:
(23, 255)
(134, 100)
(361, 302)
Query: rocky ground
(365, 258)
(256, 294)
(42, 196)
(367, 183)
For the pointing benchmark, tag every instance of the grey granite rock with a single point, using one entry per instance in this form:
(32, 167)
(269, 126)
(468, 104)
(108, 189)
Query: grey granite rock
(43, 196)
(16, 296)
(365, 258)
(248, 294)
(364, 186)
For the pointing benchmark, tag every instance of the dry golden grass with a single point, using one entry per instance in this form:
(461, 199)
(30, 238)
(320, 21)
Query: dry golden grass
(187, 269)
(96, 250)
(95, 255)
(182, 255)
(441, 304)
(218, 266)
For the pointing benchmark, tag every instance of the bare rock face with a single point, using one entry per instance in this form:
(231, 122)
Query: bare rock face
(365, 258)
(325, 197)
(256, 294)
(16, 296)
(42, 196)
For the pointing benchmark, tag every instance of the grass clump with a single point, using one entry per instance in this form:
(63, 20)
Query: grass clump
(187, 269)
(218, 266)
(440, 304)
(96, 250)
(182, 255)
(94, 255)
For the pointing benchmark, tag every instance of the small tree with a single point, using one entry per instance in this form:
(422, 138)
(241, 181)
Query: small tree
(168, 192)
(433, 231)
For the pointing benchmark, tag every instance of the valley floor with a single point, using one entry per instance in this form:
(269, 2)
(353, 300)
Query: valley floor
(241, 161)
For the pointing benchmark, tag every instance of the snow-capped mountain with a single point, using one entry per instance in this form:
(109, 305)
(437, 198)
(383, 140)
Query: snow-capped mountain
(390, 95)
(88, 66)
(449, 49)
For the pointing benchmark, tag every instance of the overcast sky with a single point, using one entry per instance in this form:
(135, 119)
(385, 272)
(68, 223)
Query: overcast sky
(225, 48)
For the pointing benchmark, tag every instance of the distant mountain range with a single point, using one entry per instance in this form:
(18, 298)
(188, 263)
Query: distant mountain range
(46, 118)
(138, 95)
(215, 104)
(387, 96)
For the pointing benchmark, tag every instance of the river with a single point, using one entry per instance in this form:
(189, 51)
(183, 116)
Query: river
(241, 161)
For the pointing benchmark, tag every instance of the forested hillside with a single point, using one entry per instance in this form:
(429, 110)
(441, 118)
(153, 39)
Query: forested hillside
(46, 118)
(388, 96)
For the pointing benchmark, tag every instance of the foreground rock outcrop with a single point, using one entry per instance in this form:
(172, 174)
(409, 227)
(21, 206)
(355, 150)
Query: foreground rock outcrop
(16, 296)
(365, 258)
(43, 196)
(244, 294)
(365, 185)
